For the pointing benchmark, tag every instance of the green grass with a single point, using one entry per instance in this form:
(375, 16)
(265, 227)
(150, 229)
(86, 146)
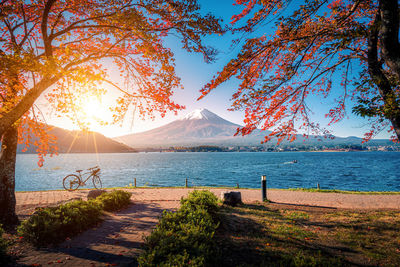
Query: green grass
(342, 191)
(282, 235)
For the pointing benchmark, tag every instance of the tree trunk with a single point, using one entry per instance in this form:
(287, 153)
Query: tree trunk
(7, 177)
(386, 90)
(396, 125)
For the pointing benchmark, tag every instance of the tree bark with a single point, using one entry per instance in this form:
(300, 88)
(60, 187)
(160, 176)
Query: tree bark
(7, 177)
(389, 34)
(377, 73)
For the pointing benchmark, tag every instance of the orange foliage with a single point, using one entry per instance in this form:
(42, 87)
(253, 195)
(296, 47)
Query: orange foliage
(64, 49)
(313, 44)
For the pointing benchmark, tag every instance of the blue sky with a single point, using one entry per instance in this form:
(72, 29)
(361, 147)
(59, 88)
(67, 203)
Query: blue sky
(195, 73)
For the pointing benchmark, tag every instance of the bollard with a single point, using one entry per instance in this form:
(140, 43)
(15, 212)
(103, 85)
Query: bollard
(186, 182)
(264, 187)
(135, 182)
(318, 186)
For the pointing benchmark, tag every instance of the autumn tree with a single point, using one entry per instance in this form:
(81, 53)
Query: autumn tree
(349, 48)
(63, 49)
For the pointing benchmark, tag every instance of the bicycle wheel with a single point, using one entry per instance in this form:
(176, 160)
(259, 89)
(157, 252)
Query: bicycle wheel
(97, 182)
(71, 182)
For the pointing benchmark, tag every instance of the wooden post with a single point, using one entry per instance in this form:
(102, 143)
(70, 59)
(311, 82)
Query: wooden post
(318, 186)
(135, 182)
(186, 182)
(264, 187)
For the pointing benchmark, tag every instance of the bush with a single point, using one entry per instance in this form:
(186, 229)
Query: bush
(201, 199)
(3, 244)
(115, 200)
(53, 225)
(185, 237)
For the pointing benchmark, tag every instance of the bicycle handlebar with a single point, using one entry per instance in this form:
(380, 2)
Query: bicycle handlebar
(95, 167)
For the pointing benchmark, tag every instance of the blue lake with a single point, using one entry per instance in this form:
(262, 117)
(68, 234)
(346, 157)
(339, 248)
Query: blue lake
(361, 171)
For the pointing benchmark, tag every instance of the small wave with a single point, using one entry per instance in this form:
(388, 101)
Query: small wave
(347, 174)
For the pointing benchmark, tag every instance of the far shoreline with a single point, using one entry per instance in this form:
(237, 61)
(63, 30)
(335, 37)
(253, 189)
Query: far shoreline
(141, 152)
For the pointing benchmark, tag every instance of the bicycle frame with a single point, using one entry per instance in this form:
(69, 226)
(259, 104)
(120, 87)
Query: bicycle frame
(92, 173)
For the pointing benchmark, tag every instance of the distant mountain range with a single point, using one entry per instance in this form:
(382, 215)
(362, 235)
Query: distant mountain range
(82, 142)
(203, 127)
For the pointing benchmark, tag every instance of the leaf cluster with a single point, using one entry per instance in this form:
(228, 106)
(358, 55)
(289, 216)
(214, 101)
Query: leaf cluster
(54, 224)
(185, 237)
(316, 48)
(64, 50)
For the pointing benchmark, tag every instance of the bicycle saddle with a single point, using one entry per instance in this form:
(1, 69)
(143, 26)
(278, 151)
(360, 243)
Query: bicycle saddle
(79, 170)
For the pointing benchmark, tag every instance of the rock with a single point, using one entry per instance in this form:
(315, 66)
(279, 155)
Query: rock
(95, 193)
(231, 198)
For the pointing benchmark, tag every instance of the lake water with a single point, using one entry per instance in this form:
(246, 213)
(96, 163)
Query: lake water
(362, 171)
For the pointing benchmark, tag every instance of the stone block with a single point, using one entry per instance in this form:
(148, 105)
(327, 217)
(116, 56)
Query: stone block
(231, 198)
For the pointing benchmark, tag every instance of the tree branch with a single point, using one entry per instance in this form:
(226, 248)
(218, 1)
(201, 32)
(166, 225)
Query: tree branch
(9, 118)
(46, 40)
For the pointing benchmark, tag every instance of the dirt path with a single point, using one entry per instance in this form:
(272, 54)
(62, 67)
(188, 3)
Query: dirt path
(117, 241)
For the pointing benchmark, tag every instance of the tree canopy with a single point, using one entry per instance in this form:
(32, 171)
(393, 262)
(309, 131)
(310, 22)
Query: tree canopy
(315, 43)
(64, 49)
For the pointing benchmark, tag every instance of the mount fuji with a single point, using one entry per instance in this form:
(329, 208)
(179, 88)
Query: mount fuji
(203, 127)
(199, 127)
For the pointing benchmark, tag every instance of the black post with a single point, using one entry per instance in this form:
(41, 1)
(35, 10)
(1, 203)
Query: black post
(264, 187)
(186, 182)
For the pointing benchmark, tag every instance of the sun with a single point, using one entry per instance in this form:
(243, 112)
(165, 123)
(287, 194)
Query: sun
(92, 107)
(94, 113)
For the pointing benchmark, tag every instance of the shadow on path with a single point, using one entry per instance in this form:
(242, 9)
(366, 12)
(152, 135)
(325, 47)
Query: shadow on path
(117, 240)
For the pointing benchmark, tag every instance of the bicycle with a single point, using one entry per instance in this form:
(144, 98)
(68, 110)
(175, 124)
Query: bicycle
(71, 182)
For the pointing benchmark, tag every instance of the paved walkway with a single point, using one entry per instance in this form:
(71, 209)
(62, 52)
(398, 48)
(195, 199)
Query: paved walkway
(26, 201)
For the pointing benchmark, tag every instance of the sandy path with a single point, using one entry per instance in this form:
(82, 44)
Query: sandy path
(117, 241)
(26, 201)
(333, 200)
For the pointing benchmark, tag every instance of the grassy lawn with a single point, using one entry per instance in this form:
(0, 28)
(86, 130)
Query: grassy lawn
(288, 235)
(343, 191)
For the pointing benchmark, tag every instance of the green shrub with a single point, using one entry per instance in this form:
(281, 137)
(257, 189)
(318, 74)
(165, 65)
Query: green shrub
(55, 224)
(114, 200)
(201, 199)
(52, 225)
(3, 244)
(185, 237)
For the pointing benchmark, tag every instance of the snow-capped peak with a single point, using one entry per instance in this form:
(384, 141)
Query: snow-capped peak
(200, 114)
